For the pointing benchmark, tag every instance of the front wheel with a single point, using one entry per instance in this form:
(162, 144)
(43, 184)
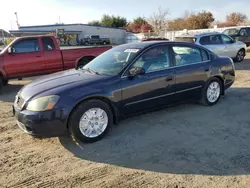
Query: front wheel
(240, 56)
(211, 92)
(90, 121)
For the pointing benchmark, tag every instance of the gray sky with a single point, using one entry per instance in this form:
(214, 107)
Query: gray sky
(38, 12)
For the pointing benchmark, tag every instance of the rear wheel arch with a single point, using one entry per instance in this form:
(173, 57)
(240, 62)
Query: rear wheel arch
(103, 99)
(84, 60)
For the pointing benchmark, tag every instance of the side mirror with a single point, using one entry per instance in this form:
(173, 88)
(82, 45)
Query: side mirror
(136, 71)
(10, 50)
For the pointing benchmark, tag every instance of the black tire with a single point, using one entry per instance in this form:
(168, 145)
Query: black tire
(5, 82)
(204, 96)
(80, 110)
(240, 55)
(104, 43)
(86, 43)
(1, 83)
(84, 62)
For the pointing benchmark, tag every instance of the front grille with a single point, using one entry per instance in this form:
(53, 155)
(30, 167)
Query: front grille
(19, 102)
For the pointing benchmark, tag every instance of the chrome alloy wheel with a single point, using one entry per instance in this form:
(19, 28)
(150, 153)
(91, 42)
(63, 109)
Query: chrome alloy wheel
(93, 122)
(213, 92)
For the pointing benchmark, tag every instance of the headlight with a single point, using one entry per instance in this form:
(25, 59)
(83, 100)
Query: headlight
(43, 103)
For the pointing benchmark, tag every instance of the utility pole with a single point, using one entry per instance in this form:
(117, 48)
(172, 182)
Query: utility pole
(17, 22)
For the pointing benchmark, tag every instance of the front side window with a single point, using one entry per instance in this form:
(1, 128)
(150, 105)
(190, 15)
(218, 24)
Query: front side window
(113, 61)
(243, 32)
(186, 55)
(27, 45)
(154, 59)
(226, 39)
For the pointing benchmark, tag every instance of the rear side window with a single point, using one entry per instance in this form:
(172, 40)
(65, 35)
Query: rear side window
(48, 44)
(187, 55)
(211, 40)
(26, 45)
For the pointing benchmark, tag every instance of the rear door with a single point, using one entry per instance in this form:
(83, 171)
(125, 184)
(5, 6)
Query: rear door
(26, 59)
(155, 87)
(191, 70)
(53, 56)
(214, 43)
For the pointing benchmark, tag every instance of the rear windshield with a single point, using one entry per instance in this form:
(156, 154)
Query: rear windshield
(186, 39)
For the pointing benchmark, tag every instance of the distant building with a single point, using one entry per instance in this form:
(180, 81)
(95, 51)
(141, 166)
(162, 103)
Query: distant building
(116, 35)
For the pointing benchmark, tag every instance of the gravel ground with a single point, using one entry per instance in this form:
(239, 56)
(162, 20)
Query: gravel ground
(188, 145)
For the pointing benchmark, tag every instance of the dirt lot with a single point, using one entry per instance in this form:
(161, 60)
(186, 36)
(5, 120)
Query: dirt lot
(180, 147)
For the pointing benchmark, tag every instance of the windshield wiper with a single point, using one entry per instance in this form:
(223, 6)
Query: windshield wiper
(91, 71)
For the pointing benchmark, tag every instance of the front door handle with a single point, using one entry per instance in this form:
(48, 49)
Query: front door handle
(170, 78)
(38, 56)
(207, 69)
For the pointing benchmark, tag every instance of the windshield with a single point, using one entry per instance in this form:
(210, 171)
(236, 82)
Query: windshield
(231, 31)
(113, 61)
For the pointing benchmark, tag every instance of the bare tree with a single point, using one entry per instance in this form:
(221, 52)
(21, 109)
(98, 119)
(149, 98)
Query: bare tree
(236, 18)
(159, 20)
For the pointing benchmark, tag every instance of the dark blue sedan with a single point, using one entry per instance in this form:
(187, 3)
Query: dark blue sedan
(125, 80)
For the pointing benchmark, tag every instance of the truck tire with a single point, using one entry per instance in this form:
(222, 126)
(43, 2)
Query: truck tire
(1, 83)
(84, 61)
(104, 43)
(5, 82)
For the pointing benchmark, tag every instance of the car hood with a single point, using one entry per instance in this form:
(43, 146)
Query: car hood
(57, 81)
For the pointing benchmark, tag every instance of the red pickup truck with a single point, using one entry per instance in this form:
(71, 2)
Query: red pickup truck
(39, 55)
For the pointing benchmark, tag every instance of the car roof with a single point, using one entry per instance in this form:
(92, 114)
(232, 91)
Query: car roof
(146, 44)
(207, 34)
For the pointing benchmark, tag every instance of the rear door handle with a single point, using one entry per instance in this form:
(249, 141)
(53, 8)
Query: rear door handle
(206, 69)
(38, 56)
(170, 78)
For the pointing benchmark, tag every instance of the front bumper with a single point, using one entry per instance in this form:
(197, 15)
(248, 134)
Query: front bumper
(43, 124)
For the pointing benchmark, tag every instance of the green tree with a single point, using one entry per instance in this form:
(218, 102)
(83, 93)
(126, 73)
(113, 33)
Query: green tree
(140, 21)
(113, 21)
(95, 22)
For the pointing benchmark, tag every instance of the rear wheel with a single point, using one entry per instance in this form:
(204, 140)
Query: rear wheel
(211, 92)
(84, 62)
(5, 82)
(240, 55)
(1, 82)
(91, 121)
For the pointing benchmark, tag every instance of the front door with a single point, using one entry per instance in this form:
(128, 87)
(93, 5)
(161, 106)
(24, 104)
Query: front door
(152, 89)
(25, 60)
(231, 47)
(192, 70)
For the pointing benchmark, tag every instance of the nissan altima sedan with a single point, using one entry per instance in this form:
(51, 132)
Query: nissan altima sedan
(123, 81)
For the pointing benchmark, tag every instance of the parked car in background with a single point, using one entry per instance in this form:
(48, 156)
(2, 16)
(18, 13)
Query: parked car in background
(220, 44)
(126, 80)
(38, 55)
(154, 39)
(239, 34)
(95, 39)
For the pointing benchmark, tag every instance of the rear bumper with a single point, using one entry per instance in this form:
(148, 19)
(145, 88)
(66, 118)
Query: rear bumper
(43, 124)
